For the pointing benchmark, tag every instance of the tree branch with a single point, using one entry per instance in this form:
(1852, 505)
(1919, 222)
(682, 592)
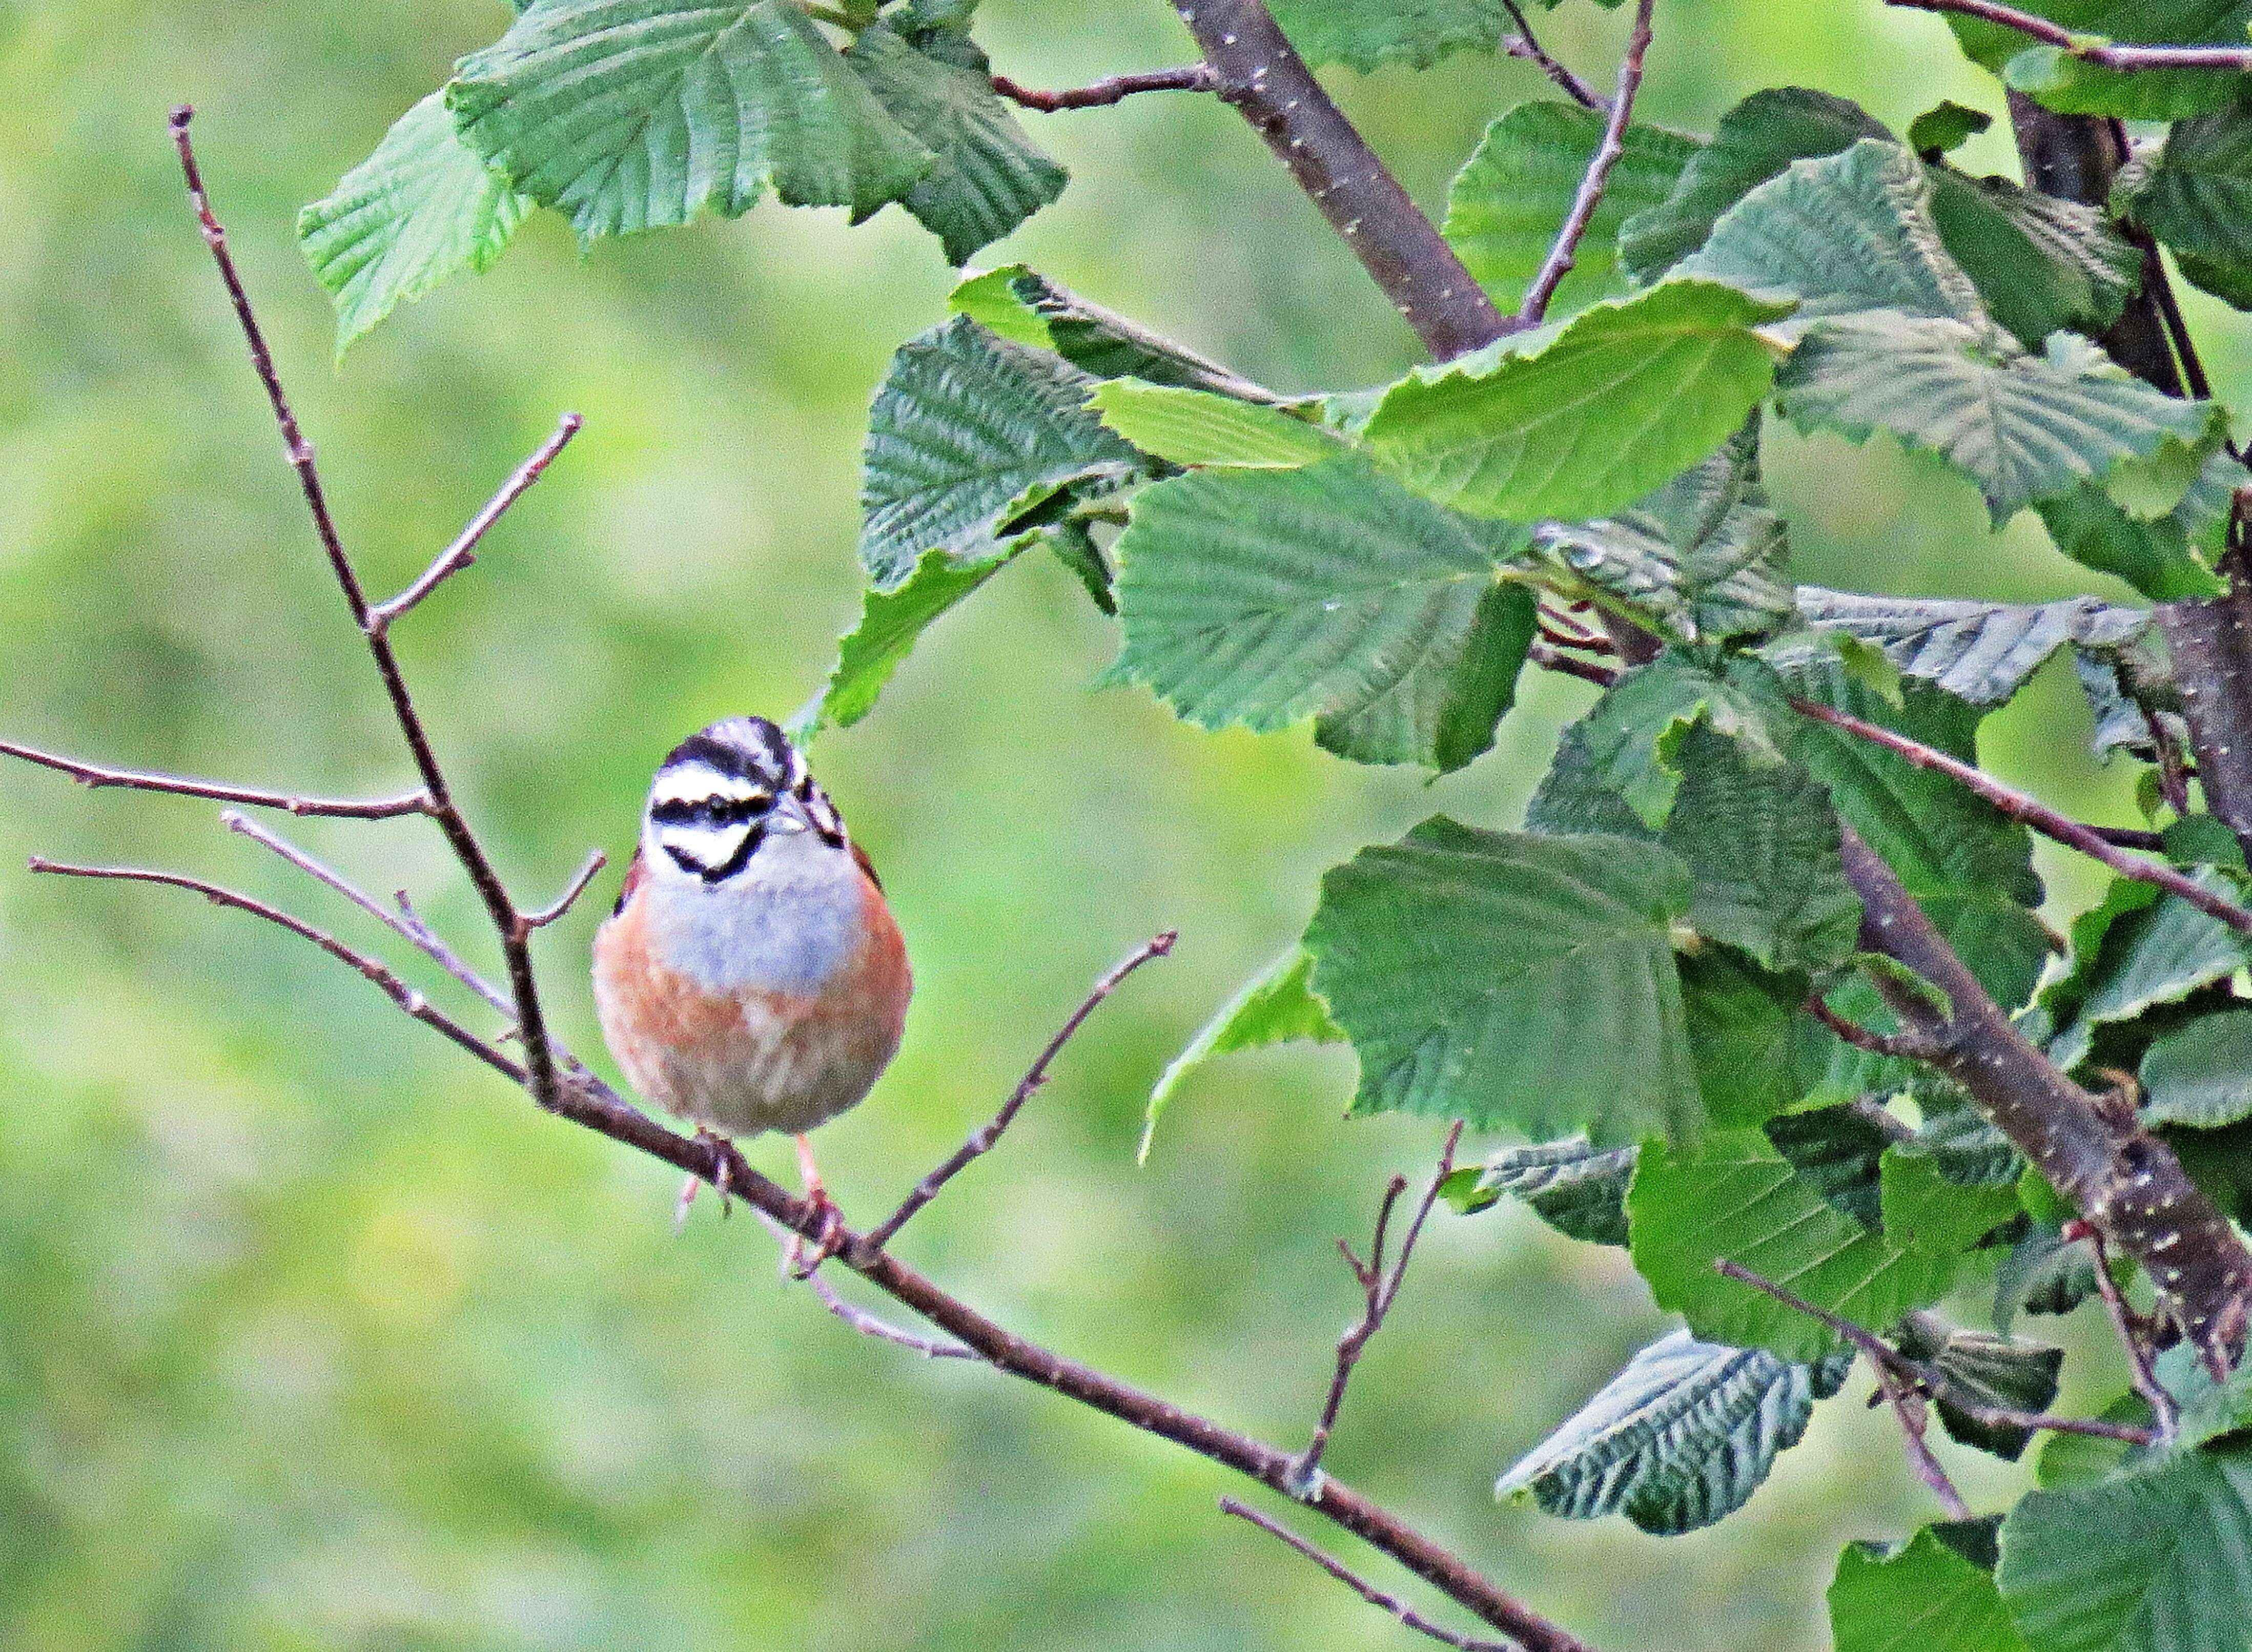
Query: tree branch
(594, 862)
(1904, 1046)
(1269, 86)
(2089, 49)
(96, 776)
(1189, 77)
(1561, 256)
(983, 1138)
(1355, 1582)
(2143, 1377)
(1525, 44)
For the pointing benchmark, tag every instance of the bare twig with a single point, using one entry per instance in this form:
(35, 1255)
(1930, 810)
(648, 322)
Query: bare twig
(1358, 1584)
(409, 923)
(859, 1318)
(2031, 811)
(983, 1138)
(594, 862)
(1525, 44)
(1906, 1046)
(539, 1061)
(1116, 89)
(1561, 256)
(462, 552)
(2088, 48)
(2142, 1375)
(1550, 659)
(1908, 1408)
(141, 780)
(1379, 1290)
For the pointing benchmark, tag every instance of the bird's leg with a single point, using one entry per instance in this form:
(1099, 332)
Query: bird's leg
(688, 1186)
(824, 1208)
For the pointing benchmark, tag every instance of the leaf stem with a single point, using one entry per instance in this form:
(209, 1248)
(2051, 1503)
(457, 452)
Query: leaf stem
(1564, 252)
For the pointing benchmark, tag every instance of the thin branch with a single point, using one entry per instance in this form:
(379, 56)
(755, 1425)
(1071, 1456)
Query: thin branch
(1904, 1046)
(1571, 665)
(2131, 838)
(1358, 1584)
(462, 552)
(1380, 1289)
(1909, 1409)
(2031, 811)
(141, 780)
(594, 862)
(1565, 251)
(983, 1138)
(407, 998)
(859, 1318)
(1526, 45)
(1116, 89)
(539, 1060)
(2088, 48)
(2142, 1375)
(409, 923)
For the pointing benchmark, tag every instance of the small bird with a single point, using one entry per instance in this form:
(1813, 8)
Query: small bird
(750, 977)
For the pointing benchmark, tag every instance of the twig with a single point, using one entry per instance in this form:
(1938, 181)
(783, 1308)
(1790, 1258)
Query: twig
(407, 998)
(1525, 44)
(1379, 1290)
(2089, 49)
(141, 780)
(1358, 1584)
(2141, 1375)
(1565, 251)
(2031, 811)
(2131, 837)
(1549, 659)
(1909, 1409)
(859, 1318)
(594, 862)
(1901, 1045)
(462, 552)
(1116, 89)
(983, 1138)
(2173, 774)
(539, 1061)
(409, 923)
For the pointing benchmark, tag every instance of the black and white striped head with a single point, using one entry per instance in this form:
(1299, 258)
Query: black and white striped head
(727, 789)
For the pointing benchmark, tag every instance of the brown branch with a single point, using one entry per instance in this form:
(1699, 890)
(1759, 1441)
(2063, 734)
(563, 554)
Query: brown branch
(1379, 1290)
(462, 552)
(2031, 811)
(1269, 86)
(2089, 49)
(1549, 659)
(2142, 1375)
(1355, 1582)
(1562, 255)
(594, 862)
(1116, 89)
(95, 775)
(539, 1060)
(1526, 45)
(859, 1318)
(1899, 1046)
(982, 1138)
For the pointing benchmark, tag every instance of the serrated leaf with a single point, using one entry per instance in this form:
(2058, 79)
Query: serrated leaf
(1945, 127)
(2138, 949)
(1981, 652)
(2196, 196)
(1625, 397)
(2039, 262)
(1922, 1208)
(969, 435)
(2042, 1274)
(891, 622)
(1736, 1197)
(629, 114)
(2167, 559)
(1514, 980)
(2156, 1559)
(989, 176)
(1262, 597)
(2071, 86)
(1839, 1152)
(1275, 1006)
(1019, 304)
(1630, 740)
(1984, 1371)
(1576, 1188)
(2200, 1074)
(1752, 1048)
(1920, 1597)
(1680, 1437)
(1511, 198)
(2022, 427)
(1186, 427)
(420, 209)
(1755, 140)
(1965, 1146)
(1368, 34)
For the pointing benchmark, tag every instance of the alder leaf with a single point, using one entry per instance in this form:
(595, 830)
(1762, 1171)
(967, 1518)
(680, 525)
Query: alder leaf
(1981, 652)
(1368, 34)
(2200, 1074)
(1019, 304)
(1920, 1596)
(1575, 1187)
(891, 623)
(1185, 427)
(2196, 196)
(2071, 86)
(1275, 1006)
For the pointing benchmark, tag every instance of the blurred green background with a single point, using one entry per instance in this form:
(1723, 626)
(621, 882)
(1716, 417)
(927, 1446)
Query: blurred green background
(313, 1335)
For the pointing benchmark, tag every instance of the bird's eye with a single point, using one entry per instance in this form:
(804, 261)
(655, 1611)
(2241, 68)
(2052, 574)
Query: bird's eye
(711, 810)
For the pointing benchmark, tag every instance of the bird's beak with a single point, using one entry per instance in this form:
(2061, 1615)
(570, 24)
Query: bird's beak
(787, 816)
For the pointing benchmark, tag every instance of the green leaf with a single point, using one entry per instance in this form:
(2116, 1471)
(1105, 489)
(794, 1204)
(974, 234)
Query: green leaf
(891, 622)
(631, 114)
(1983, 1370)
(1920, 1597)
(2024, 427)
(1187, 427)
(2167, 559)
(1576, 1188)
(1736, 1197)
(1679, 1438)
(1580, 422)
(1368, 34)
(2197, 198)
(2039, 262)
(1922, 1208)
(1756, 140)
(1965, 1146)
(1262, 597)
(969, 436)
(1839, 1152)
(989, 177)
(2158, 1559)
(415, 211)
(1754, 1052)
(1023, 305)
(1511, 198)
(2071, 86)
(1512, 980)
(2042, 1274)
(2137, 950)
(1275, 1006)
(1981, 652)
(1945, 127)
(2200, 1074)
(1629, 742)
(1699, 560)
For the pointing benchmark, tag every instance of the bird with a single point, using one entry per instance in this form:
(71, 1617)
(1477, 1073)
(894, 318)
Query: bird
(751, 977)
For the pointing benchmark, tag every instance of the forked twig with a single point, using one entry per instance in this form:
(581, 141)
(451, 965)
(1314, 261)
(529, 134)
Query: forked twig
(2089, 48)
(1358, 1584)
(1561, 256)
(859, 1318)
(983, 1138)
(1523, 44)
(594, 862)
(2142, 1374)
(97, 775)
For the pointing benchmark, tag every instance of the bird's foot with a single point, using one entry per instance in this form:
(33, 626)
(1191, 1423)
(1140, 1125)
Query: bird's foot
(827, 1219)
(721, 1152)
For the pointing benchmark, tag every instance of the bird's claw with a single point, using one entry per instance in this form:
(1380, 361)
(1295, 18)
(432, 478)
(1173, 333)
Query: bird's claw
(829, 1228)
